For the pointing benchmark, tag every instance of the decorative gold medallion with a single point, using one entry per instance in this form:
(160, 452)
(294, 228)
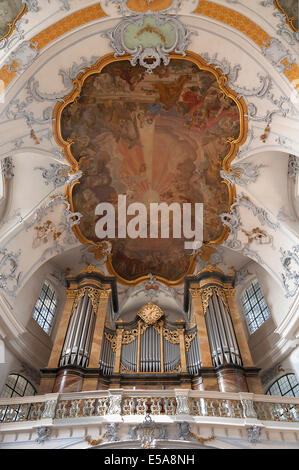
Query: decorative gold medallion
(150, 313)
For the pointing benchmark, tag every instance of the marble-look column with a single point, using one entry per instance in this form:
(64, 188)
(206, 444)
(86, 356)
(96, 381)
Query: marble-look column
(232, 380)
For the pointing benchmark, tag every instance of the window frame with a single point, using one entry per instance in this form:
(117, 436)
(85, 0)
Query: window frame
(254, 300)
(47, 317)
(13, 389)
(292, 387)
(15, 411)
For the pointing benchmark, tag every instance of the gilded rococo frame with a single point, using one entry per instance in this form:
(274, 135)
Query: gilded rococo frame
(288, 19)
(13, 24)
(235, 143)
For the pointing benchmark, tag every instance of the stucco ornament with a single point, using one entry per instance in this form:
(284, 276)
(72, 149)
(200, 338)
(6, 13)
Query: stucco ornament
(293, 166)
(9, 278)
(7, 167)
(254, 433)
(43, 434)
(58, 174)
(242, 174)
(290, 276)
(184, 431)
(32, 5)
(148, 432)
(276, 53)
(149, 38)
(24, 55)
(111, 432)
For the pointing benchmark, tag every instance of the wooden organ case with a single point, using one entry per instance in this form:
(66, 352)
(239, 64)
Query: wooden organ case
(157, 352)
(205, 350)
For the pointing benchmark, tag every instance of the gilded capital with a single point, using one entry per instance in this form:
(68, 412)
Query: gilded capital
(71, 293)
(230, 292)
(195, 293)
(207, 293)
(104, 294)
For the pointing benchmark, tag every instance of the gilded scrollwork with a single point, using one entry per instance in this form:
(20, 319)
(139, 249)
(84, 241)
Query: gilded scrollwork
(71, 293)
(129, 336)
(124, 370)
(93, 294)
(112, 340)
(188, 340)
(172, 336)
(178, 368)
(207, 293)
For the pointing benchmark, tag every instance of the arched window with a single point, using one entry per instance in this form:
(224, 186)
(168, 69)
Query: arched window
(255, 307)
(17, 386)
(285, 386)
(45, 307)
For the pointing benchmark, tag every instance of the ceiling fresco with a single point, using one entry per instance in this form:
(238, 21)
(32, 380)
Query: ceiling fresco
(163, 139)
(10, 11)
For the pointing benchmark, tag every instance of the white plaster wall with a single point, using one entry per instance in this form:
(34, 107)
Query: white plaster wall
(262, 341)
(11, 364)
(291, 363)
(36, 340)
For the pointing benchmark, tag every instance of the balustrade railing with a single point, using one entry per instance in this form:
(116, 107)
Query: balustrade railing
(133, 402)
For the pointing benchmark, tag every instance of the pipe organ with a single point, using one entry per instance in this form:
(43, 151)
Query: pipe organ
(150, 345)
(205, 348)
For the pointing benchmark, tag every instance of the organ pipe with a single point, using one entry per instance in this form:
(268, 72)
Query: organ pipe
(193, 356)
(107, 360)
(152, 350)
(222, 338)
(78, 339)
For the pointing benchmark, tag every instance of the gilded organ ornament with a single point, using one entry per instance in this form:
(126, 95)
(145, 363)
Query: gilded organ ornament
(150, 313)
(207, 293)
(93, 294)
